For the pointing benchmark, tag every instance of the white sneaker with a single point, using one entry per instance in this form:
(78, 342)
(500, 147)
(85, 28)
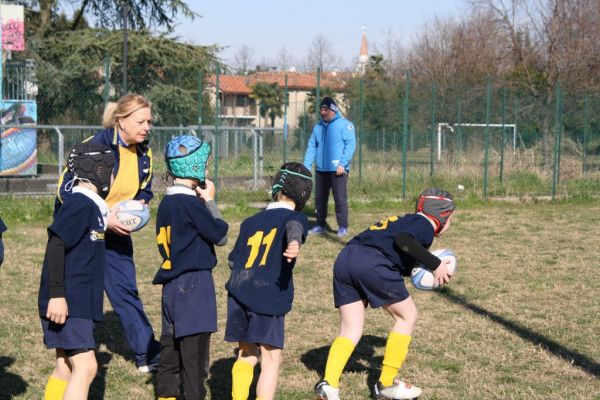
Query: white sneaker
(146, 369)
(397, 391)
(324, 391)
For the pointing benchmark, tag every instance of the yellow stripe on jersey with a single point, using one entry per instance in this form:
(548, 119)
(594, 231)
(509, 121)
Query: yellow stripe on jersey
(149, 177)
(127, 181)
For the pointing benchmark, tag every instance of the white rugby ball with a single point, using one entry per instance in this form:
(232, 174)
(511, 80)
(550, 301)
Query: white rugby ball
(132, 214)
(422, 278)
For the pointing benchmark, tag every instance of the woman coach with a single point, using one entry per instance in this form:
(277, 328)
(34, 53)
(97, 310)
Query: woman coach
(127, 125)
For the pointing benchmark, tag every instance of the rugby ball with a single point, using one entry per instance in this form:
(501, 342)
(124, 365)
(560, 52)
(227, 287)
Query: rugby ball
(132, 214)
(422, 278)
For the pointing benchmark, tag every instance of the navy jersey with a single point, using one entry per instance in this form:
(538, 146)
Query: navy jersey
(79, 223)
(261, 277)
(383, 234)
(2, 226)
(186, 233)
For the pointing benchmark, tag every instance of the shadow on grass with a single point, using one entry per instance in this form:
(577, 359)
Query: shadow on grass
(110, 333)
(98, 387)
(571, 356)
(363, 358)
(11, 384)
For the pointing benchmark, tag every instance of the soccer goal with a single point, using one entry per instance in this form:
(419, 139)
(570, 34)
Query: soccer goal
(443, 127)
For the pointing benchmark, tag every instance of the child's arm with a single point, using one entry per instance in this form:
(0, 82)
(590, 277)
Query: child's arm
(57, 305)
(409, 245)
(208, 195)
(293, 231)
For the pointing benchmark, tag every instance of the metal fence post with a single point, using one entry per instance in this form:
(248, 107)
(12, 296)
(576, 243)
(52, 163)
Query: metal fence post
(405, 132)
(318, 94)
(486, 146)
(586, 133)
(431, 160)
(503, 135)
(61, 150)
(261, 153)
(458, 132)
(200, 90)
(285, 121)
(217, 130)
(106, 91)
(557, 141)
(361, 135)
(255, 163)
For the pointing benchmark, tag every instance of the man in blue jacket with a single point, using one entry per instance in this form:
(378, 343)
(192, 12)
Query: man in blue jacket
(331, 147)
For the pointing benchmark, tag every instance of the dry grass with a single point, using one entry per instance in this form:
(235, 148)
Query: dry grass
(519, 321)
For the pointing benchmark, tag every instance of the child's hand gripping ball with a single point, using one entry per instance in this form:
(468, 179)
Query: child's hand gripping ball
(422, 278)
(132, 214)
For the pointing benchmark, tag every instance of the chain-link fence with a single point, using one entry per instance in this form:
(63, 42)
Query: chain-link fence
(485, 139)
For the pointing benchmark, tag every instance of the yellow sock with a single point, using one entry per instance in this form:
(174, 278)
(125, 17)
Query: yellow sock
(167, 398)
(241, 379)
(339, 353)
(55, 388)
(396, 350)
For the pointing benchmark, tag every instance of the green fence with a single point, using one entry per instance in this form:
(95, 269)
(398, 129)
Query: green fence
(487, 140)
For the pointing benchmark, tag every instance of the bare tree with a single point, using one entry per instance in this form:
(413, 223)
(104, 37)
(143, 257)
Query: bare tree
(243, 60)
(284, 60)
(450, 52)
(551, 41)
(321, 55)
(394, 54)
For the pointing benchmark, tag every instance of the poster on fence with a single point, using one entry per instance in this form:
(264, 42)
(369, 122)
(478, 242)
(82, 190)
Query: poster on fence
(18, 144)
(13, 27)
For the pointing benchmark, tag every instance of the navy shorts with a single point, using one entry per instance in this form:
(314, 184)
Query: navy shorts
(75, 334)
(246, 326)
(363, 273)
(189, 305)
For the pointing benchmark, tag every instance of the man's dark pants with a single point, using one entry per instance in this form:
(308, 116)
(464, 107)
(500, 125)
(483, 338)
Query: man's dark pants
(338, 184)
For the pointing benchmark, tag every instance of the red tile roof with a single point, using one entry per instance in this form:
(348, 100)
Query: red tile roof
(241, 84)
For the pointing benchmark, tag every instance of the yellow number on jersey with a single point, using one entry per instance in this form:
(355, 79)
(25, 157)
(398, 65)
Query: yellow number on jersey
(163, 239)
(255, 241)
(381, 225)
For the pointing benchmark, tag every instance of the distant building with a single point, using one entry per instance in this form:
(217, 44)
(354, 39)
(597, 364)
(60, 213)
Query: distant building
(239, 109)
(363, 56)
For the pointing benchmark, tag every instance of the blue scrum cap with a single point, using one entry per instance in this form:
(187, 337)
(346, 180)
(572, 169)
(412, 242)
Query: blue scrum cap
(186, 157)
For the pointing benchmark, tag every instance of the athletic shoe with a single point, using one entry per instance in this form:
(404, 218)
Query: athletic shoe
(324, 391)
(151, 366)
(146, 369)
(396, 391)
(317, 229)
(342, 232)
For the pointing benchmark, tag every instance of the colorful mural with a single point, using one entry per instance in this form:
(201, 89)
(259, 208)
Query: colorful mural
(18, 145)
(13, 27)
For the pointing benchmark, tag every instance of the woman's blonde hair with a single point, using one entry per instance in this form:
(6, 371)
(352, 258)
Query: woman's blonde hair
(126, 105)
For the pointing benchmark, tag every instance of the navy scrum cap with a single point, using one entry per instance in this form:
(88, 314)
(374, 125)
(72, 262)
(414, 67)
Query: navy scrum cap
(329, 103)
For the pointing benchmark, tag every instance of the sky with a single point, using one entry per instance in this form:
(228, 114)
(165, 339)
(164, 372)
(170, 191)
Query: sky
(267, 25)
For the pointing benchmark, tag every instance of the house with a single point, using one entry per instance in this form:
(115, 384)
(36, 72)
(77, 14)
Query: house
(238, 108)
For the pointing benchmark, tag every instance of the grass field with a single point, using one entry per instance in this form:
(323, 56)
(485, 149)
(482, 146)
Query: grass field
(520, 320)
